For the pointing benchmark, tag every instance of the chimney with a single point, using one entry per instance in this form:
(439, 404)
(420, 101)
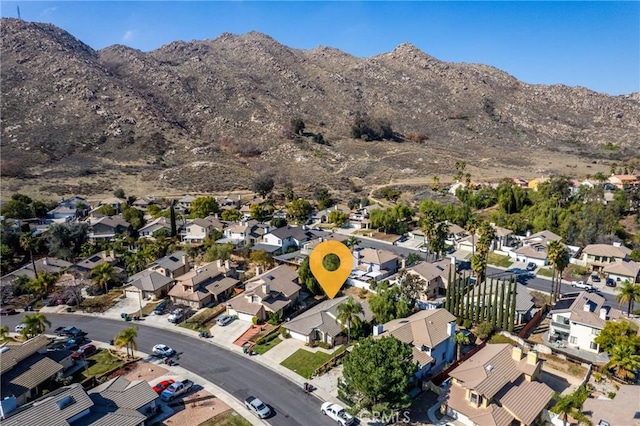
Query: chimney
(219, 263)
(258, 270)
(227, 264)
(528, 232)
(266, 289)
(586, 307)
(532, 357)
(617, 244)
(516, 353)
(451, 329)
(603, 314)
(378, 329)
(185, 261)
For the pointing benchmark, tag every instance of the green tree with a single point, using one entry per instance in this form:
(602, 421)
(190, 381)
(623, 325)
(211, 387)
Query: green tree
(571, 405)
(203, 206)
(231, 215)
(218, 251)
(323, 198)
(65, 240)
(461, 339)
(44, 283)
(106, 210)
(411, 286)
(306, 278)
(377, 373)
(16, 209)
(28, 243)
(472, 226)
(412, 259)
(618, 333)
(348, 314)
(172, 218)
(35, 324)
(338, 218)
(258, 212)
(297, 126)
(119, 193)
(478, 266)
(628, 293)
(351, 242)
(262, 258)
(388, 303)
(263, 185)
(624, 360)
(484, 330)
(299, 209)
(103, 275)
(4, 333)
(437, 242)
(127, 339)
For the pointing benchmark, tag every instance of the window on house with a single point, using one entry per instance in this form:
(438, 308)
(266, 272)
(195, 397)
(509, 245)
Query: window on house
(573, 340)
(595, 331)
(443, 354)
(473, 397)
(593, 346)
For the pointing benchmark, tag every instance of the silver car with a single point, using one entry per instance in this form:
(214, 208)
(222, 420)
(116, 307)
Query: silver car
(257, 407)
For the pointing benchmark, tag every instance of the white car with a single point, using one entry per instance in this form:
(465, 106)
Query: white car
(20, 327)
(582, 284)
(224, 320)
(163, 350)
(257, 407)
(337, 413)
(176, 316)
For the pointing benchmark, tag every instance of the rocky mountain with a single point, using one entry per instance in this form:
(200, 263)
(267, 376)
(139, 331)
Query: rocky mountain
(212, 115)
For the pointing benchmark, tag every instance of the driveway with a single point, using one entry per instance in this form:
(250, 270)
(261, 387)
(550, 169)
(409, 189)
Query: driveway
(229, 333)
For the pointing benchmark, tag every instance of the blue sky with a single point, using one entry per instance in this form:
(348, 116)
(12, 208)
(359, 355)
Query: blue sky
(589, 44)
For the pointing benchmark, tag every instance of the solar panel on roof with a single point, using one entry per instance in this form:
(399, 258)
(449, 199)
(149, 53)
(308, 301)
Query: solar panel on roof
(65, 402)
(173, 258)
(563, 303)
(94, 259)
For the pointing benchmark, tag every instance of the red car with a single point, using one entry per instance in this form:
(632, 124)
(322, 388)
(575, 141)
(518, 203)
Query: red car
(163, 385)
(84, 351)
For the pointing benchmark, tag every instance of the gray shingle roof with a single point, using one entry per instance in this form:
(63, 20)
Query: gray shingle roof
(124, 393)
(149, 280)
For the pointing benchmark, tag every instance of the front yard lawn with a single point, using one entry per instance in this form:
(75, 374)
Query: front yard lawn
(228, 418)
(101, 362)
(264, 347)
(499, 260)
(305, 363)
(545, 272)
(204, 319)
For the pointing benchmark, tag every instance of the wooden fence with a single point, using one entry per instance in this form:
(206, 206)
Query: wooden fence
(441, 377)
(533, 322)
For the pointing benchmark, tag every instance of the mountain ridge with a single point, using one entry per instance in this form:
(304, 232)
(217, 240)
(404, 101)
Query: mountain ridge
(222, 107)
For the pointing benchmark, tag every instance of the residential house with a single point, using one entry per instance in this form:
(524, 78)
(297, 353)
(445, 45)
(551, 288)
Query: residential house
(623, 271)
(359, 219)
(577, 318)
(228, 202)
(143, 202)
(148, 284)
(504, 238)
(375, 264)
(624, 181)
(622, 409)
(192, 288)
(116, 402)
(454, 188)
(320, 324)
(436, 278)
(597, 256)
(26, 368)
(535, 183)
(172, 265)
(114, 202)
(93, 261)
(184, 203)
(525, 303)
(431, 335)
(243, 233)
(50, 265)
(68, 209)
(272, 291)
(534, 247)
(285, 238)
(106, 228)
(153, 226)
(521, 182)
(197, 230)
(497, 386)
(322, 216)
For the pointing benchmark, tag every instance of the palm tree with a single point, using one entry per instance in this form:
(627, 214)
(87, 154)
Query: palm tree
(28, 243)
(127, 339)
(35, 324)
(472, 226)
(349, 313)
(351, 242)
(553, 251)
(4, 333)
(562, 261)
(478, 265)
(461, 339)
(629, 293)
(103, 275)
(44, 282)
(624, 359)
(428, 228)
(571, 405)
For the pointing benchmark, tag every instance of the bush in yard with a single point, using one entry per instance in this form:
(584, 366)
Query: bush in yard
(484, 330)
(255, 320)
(285, 333)
(467, 324)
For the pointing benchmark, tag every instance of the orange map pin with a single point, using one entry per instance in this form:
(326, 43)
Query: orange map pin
(331, 281)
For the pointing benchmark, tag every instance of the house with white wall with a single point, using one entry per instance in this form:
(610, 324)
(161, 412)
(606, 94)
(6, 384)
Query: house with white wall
(597, 256)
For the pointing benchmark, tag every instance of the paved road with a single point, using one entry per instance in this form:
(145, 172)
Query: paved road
(234, 373)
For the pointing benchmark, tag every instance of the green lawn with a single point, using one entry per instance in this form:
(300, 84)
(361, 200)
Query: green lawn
(545, 272)
(195, 322)
(305, 363)
(499, 260)
(228, 418)
(101, 362)
(262, 348)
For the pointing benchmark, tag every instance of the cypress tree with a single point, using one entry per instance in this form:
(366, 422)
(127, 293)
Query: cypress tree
(172, 218)
(508, 318)
(513, 304)
(494, 296)
(484, 301)
(447, 299)
(467, 309)
(503, 306)
(478, 306)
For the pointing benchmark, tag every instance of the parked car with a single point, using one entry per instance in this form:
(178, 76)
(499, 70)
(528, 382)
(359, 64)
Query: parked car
(8, 311)
(224, 320)
(595, 278)
(582, 284)
(176, 389)
(161, 386)
(424, 249)
(84, 351)
(610, 282)
(337, 413)
(176, 316)
(257, 407)
(531, 266)
(159, 310)
(163, 350)
(20, 327)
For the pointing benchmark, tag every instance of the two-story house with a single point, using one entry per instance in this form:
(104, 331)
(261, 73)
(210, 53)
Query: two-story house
(241, 234)
(272, 291)
(106, 228)
(497, 386)
(197, 230)
(68, 209)
(159, 277)
(375, 264)
(184, 203)
(153, 226)
(431, 335)
(623, 271)
(578, 318)
(287, 237)
(211, 282)
(597, 256)
(114, 202)
(435, 276)
(534, 247)
(624, 181)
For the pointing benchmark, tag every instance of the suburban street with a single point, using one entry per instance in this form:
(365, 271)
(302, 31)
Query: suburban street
(234, 373)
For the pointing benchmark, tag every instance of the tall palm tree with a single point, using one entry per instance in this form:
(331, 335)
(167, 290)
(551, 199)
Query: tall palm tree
(461, 339)
(562, 261)
(472, 226)
(624, 360)
(28, 243)
(571, 405)
(428, 228)
(351, 242)
(35, 324)
(478, 265)
(127, 339)
(103, 275)
(553, 251)
(629, 293)
(349, 313)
